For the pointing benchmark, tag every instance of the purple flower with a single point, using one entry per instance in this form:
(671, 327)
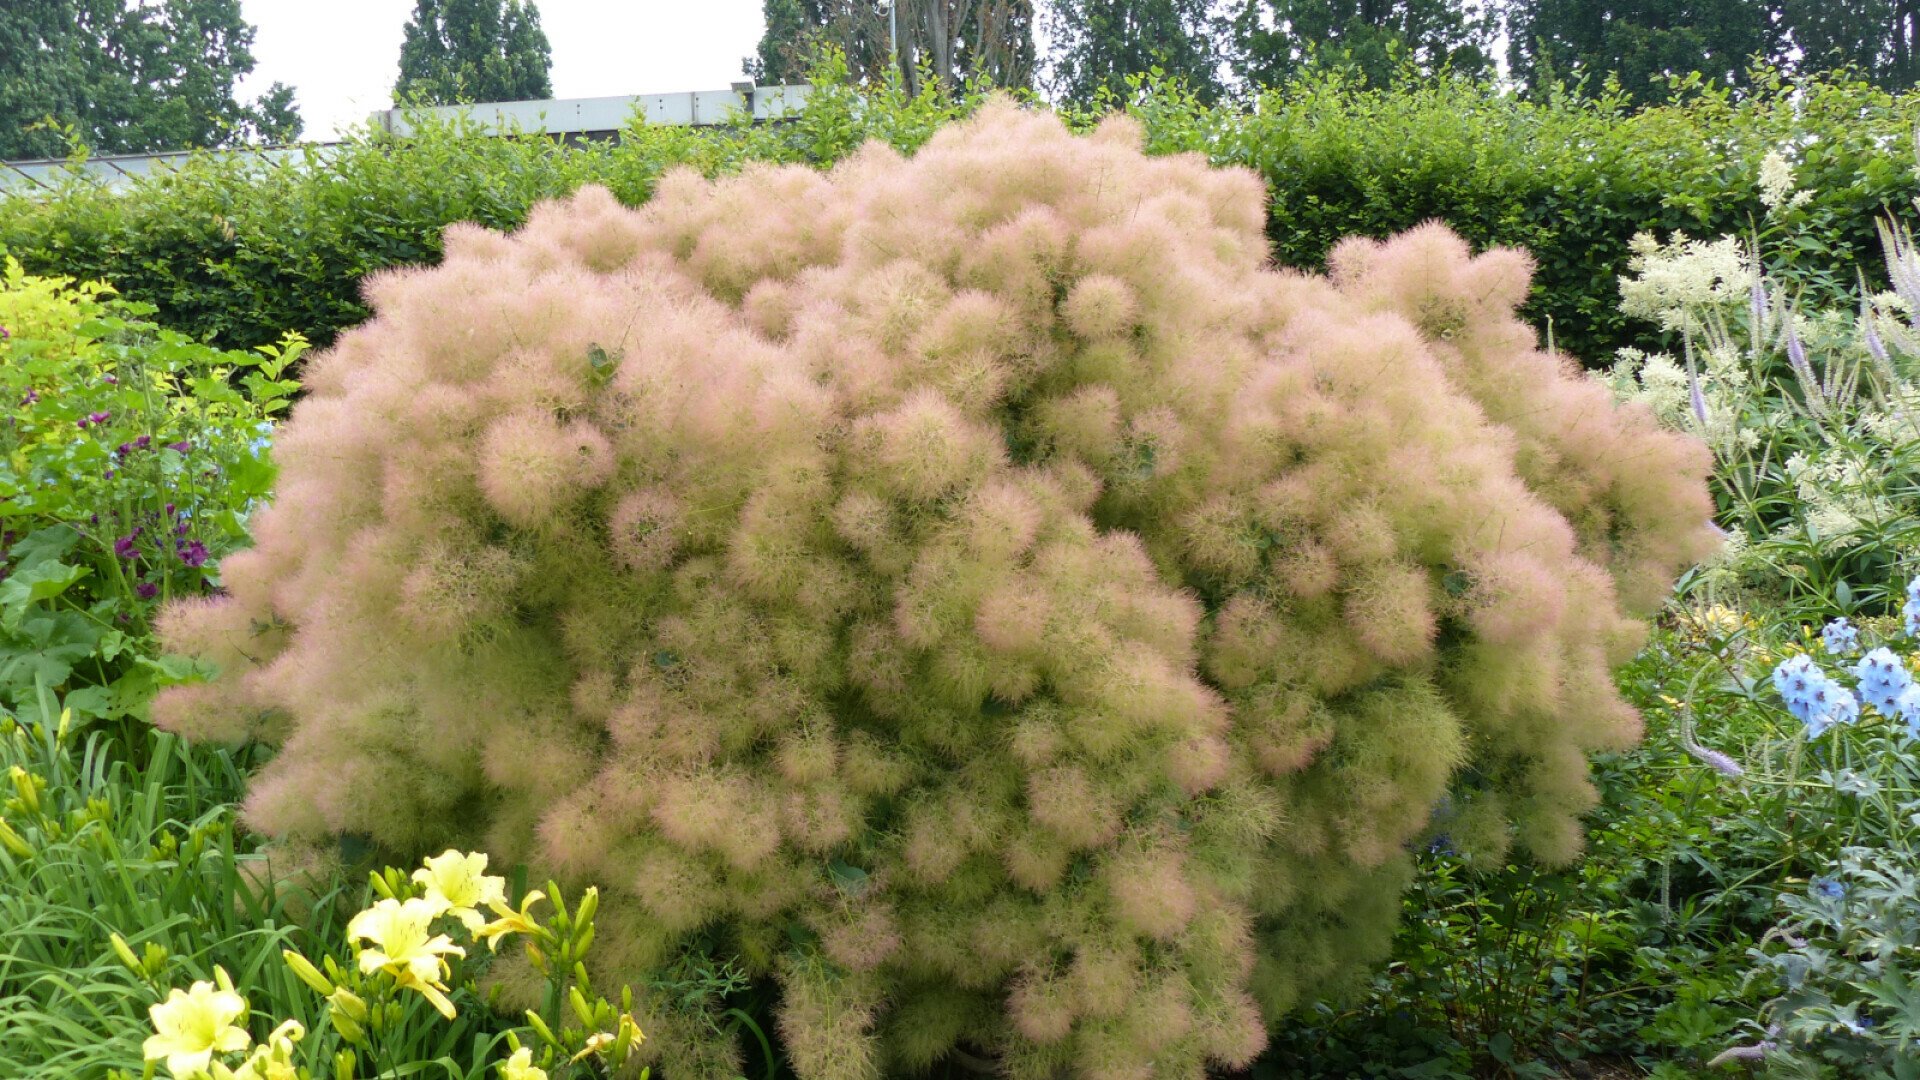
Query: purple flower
(194, 554)
(92, 419)
(124, 548)
(32, 396)
(1797, 353)
(146, 590)
(1716, 760)
(111, 381)
(1875, 347)
(5, 333)
(169, 509)
(178, 447)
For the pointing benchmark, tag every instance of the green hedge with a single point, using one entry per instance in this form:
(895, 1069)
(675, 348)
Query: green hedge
(236, 252)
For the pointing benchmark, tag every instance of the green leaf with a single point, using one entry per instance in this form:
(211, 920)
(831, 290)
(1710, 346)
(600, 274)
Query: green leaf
(848, 877)
(33, 584)
(1500, 1047)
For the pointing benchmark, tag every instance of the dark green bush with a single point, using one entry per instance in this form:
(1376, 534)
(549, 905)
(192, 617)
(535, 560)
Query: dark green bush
(237, 252)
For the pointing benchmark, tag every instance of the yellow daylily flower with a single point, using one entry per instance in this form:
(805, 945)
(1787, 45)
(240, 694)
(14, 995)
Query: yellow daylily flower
(596, 1043)
(510, 921)
(273, 1059)
(402, 944)
(193, 1025)
(460, 883)
(521, 1067)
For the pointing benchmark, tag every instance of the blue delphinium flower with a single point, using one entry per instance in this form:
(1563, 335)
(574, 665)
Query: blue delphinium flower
(1813, 698)
(1833, 704)
(1797, 678)
(1912, 608)
(1830, 888)
(1841, 636)
(1883, 678)
(1908, 710)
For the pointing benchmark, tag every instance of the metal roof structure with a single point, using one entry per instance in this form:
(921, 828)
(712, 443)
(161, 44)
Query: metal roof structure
(566, 118)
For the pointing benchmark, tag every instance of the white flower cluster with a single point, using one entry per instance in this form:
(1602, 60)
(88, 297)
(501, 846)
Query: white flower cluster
(1677, 283)
(1777, 184)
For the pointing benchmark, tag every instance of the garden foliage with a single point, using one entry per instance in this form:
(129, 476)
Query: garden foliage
(129, 457)
(975, 586)
(235, 251)
(1809, 407)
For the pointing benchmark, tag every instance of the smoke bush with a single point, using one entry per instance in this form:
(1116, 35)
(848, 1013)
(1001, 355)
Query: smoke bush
(974, 588)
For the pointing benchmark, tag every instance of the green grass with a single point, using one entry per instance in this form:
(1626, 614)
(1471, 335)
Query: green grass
(134, 833)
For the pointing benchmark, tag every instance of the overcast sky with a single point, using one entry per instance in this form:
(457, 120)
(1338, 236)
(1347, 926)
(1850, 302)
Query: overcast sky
(341, 56)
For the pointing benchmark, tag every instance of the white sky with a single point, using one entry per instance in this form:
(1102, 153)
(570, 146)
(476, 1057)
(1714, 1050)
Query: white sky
(342, 56)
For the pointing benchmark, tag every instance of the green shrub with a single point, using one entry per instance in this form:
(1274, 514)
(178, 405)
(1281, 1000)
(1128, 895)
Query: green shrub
(129, 458)
(234, 251)
(976, 588)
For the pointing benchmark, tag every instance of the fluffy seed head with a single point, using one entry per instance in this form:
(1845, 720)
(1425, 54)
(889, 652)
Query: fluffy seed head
(974, 587)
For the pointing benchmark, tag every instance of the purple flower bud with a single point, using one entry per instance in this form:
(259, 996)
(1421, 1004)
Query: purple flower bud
(147, 590)
(111, 381)
(1797, 352)
(1717, 761)
(169, 509)
(5, 333)
(1875, 347)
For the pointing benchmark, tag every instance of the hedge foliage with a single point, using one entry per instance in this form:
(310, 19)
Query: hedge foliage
(236, 251)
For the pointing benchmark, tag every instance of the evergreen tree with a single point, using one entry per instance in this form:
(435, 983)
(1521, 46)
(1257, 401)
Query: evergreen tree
(474, 50)
(1878, 38)
(1641, 41)
(1096, 44)
(1269, 40)
(128, 76)
(780, 57)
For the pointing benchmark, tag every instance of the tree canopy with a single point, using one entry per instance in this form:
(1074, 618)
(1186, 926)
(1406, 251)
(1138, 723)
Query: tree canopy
(1270, 40)
(949, 40)
(474, 50)
(1641, 41)
(1096, 44)
(121, 76)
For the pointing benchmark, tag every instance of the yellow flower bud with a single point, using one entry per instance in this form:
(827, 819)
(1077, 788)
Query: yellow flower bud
(13, 842)
(307, 973)
(541, 1029)
(24, 786)
(346, 1001)
(125, 953)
